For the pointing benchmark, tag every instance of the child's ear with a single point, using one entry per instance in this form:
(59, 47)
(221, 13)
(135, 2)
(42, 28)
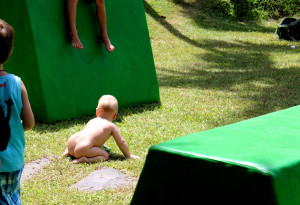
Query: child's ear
(97, 112)
(115, 116)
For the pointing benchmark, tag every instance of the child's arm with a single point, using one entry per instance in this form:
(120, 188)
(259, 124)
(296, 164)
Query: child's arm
(120, 142)
(26, 113)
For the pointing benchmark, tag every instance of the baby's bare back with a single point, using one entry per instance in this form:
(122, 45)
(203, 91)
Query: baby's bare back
(95, 134)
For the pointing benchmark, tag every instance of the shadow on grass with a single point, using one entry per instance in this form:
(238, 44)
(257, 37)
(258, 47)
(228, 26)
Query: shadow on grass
(207, 15)
(65, 124)
(225, 69)
(242, 64)
(112, 157)
(168, 26)
(116, 157)
(136, 109)
(196, 11)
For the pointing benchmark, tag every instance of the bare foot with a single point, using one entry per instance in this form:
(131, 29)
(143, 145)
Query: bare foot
(76, 43)
(66, 153)
(108, 46)
(89, 160)
(80, 160)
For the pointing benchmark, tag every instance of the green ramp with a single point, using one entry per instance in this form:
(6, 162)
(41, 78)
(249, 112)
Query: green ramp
(64, 82)
(256, 161)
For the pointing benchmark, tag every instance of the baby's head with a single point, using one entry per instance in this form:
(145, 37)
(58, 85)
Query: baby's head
(107, 104)
(6, 41)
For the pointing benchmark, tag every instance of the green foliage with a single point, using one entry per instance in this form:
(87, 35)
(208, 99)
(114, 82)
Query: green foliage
(223, 7)
(257, 9)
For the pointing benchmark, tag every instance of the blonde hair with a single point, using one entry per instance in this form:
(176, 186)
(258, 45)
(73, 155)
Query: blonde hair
(108, 103)
(6, 41)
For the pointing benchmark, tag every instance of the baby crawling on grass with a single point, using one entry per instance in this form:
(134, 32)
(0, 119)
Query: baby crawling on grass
(86, 145)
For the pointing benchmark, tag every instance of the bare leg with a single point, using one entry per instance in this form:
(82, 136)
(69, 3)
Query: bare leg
(89, 159)
(94, 154)
(76, 43)
(101, 15)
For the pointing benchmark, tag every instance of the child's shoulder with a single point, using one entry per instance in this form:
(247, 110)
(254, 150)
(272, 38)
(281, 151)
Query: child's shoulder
(101, 122)
(10, 80)
(10, 77)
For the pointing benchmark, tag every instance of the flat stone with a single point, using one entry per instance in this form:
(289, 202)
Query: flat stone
(102, 179)
(33, 167)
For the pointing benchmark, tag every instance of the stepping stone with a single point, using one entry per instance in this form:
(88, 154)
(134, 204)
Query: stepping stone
(102, 179)
(33, 167)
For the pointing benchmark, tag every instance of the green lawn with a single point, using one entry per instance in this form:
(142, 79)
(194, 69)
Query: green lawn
(211, 72)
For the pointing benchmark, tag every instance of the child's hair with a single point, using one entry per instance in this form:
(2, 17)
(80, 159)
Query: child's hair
(108, 103)
(6, 41)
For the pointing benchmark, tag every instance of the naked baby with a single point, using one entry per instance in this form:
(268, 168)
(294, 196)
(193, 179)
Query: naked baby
(86, 145)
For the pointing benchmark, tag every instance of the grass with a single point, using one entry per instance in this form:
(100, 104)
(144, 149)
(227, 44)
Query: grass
(211, 72)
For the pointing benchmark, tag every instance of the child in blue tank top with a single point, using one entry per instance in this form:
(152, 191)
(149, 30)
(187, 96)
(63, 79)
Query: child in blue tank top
(15, 117)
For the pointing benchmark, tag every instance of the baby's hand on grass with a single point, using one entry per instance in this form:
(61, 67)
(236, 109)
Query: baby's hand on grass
(134, 157)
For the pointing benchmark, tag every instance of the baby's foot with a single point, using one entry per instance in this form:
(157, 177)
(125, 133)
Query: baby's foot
(76, 43)
(80, 160)
(108, 46)
(66, 153)
(75, 161)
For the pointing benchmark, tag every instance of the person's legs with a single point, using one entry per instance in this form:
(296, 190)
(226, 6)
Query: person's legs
(89, 159)
(93, 154)
(10, 187)
(101, 15)
(76, 43)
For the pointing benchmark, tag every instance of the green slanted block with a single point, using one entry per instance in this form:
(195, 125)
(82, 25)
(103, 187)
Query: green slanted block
(256, 161)
(64, 82)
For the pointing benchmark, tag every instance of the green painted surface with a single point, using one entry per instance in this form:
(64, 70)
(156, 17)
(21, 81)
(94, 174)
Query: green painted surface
(64, 82)
(256, 160)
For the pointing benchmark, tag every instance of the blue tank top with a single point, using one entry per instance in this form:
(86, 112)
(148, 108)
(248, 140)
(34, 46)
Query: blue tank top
(11, 128)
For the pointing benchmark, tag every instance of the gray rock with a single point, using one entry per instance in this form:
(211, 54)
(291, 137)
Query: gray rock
(102, 179)
(33, 167)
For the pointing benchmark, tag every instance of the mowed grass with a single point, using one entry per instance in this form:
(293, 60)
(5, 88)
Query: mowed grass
(211, 72)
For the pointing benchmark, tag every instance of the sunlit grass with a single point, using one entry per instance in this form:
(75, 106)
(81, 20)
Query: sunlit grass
(212, 72)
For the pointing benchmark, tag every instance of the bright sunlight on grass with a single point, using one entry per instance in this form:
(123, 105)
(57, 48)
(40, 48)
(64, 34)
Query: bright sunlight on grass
(211, 72)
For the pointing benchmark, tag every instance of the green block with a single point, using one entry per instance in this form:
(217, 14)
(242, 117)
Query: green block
(256, 161)
(64, 82)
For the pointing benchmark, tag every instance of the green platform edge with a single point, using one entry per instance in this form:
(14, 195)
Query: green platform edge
(64, 82)
(260, 156)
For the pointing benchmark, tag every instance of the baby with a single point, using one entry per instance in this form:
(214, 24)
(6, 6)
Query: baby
(86, 145)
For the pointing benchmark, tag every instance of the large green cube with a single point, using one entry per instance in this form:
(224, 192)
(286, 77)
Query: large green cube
(256, 161)
(64, 82)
